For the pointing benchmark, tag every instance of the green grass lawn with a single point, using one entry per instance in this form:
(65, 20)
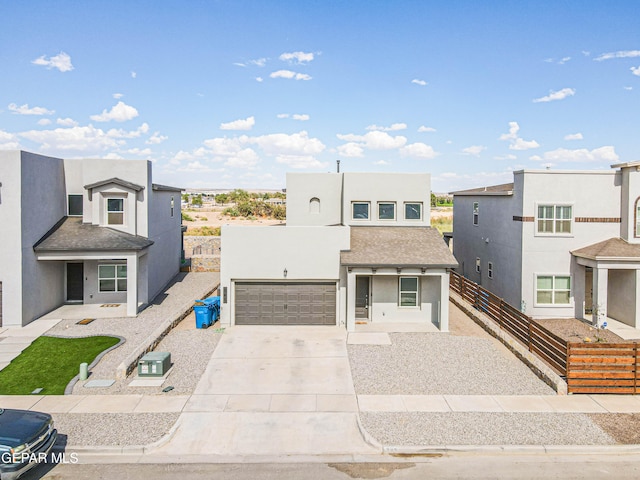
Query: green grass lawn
(50, 363)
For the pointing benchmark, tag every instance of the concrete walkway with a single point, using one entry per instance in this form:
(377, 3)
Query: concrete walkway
(321, 404)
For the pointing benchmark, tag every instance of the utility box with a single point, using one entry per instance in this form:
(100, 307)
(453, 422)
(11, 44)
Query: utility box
(154, 364)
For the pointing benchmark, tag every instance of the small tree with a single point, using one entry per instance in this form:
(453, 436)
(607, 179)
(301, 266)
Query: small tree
(433, 200)
(197, 200)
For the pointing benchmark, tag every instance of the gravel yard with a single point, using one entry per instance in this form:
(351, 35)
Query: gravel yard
(466, 362)
(415, 428)
(96, 429)
(574, 330)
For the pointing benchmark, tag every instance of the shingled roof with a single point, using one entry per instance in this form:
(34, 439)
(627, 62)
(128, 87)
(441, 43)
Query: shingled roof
(612, 248)
(397, 247)
(70, 234)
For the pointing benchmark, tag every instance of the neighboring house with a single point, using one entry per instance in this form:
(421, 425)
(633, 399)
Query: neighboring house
(356, 247)
(83, 231)
(556, 243)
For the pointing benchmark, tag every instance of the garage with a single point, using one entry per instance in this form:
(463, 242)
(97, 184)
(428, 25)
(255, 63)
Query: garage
(285, 303)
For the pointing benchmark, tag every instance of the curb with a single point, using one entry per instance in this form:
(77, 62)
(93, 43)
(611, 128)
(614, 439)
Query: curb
(366, 436)
(68, 390)
(438, 450)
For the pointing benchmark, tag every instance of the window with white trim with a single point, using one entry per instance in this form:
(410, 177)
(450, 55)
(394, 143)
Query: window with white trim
(553, 289)
(477, 264)
(637, 218)
(386, 211)
(413, 211)
(476, 213)
(408, 287)
(360, 210)
(490, 269)
(115, 211)
(554, 219)
(112, 278)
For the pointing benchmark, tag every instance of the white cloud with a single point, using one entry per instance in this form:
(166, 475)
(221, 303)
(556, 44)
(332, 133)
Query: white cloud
(290, 75)
(618, 54)
(559, 95)
(506, 157)
(375, 140)
(296, 144)
(118, 96)
(25, 110)
(134, 75)
(573, 136)
(351, 150)
(66, 122)
(418, 150)
(120, 133)
(297, 57)
(302, 117)
(628, 88)
(515, 142)
(88, 140)
(283, 115)
(604, 154)
(422, 128)
(563, 60)
(44, 122)
(300, 161)
(393, 128)
(62, 62)
(156, 138)
(245, 158)
(258, 62)
(195, 167)
(120, 112)
(586, 53)
(259, 79)
(381, 162)
(241, 124)
(475, 150)
(635, 71)
(8, 141)
(417, 81)
(143, 153)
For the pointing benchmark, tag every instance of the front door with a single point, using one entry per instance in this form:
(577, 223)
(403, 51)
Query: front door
(588, 291)
(75, 282)
(362, 297)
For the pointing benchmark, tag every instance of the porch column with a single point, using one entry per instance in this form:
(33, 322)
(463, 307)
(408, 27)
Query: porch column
(351, 301)
(600, 287)
(132, 285)
(578, 288)
(444, 303)
(637, 299)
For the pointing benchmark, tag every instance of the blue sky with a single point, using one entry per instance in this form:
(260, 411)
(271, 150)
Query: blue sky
(224, 94)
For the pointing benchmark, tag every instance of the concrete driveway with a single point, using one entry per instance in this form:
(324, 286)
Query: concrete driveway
(278, 390)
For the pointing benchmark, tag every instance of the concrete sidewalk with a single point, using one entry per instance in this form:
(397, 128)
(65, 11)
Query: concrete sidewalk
(321, 403)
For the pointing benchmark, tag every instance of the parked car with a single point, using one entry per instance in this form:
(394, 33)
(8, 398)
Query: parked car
(26, 438)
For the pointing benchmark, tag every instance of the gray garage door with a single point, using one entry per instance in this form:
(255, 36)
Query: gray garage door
(285, 303)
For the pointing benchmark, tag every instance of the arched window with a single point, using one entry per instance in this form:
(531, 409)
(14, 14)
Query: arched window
(637, 218)
(314, 205)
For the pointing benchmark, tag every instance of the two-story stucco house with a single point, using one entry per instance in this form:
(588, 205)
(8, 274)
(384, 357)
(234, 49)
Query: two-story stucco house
(357, 247)
(83, 231)
(556, 243)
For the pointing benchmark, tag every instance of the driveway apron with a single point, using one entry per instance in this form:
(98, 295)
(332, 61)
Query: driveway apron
(273, 390)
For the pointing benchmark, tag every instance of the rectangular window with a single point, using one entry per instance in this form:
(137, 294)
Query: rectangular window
(360, 210)
(115, 211)
(172, 206)
(554, 219)
(490, 270)
(409, 291)
(386, 211)
(638, 219)
(413, 211)
(476, 213)
(75, 205)
(553, 289)
(112, 278)
(477, 264)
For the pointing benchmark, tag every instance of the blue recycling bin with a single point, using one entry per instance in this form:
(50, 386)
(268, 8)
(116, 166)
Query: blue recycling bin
(203, 316)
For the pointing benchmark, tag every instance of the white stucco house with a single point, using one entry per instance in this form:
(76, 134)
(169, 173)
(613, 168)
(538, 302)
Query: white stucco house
(83, 231)
(556, 243)
(357, 247)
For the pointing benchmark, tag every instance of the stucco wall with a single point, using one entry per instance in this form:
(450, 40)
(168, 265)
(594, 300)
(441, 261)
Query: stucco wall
(592, 194)
(92, 292)
(164, 229)
(385, 308)
(10, 239)
(387, 187)
(302, 187)
(263, 253)
(621, 296)
(43, 204)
